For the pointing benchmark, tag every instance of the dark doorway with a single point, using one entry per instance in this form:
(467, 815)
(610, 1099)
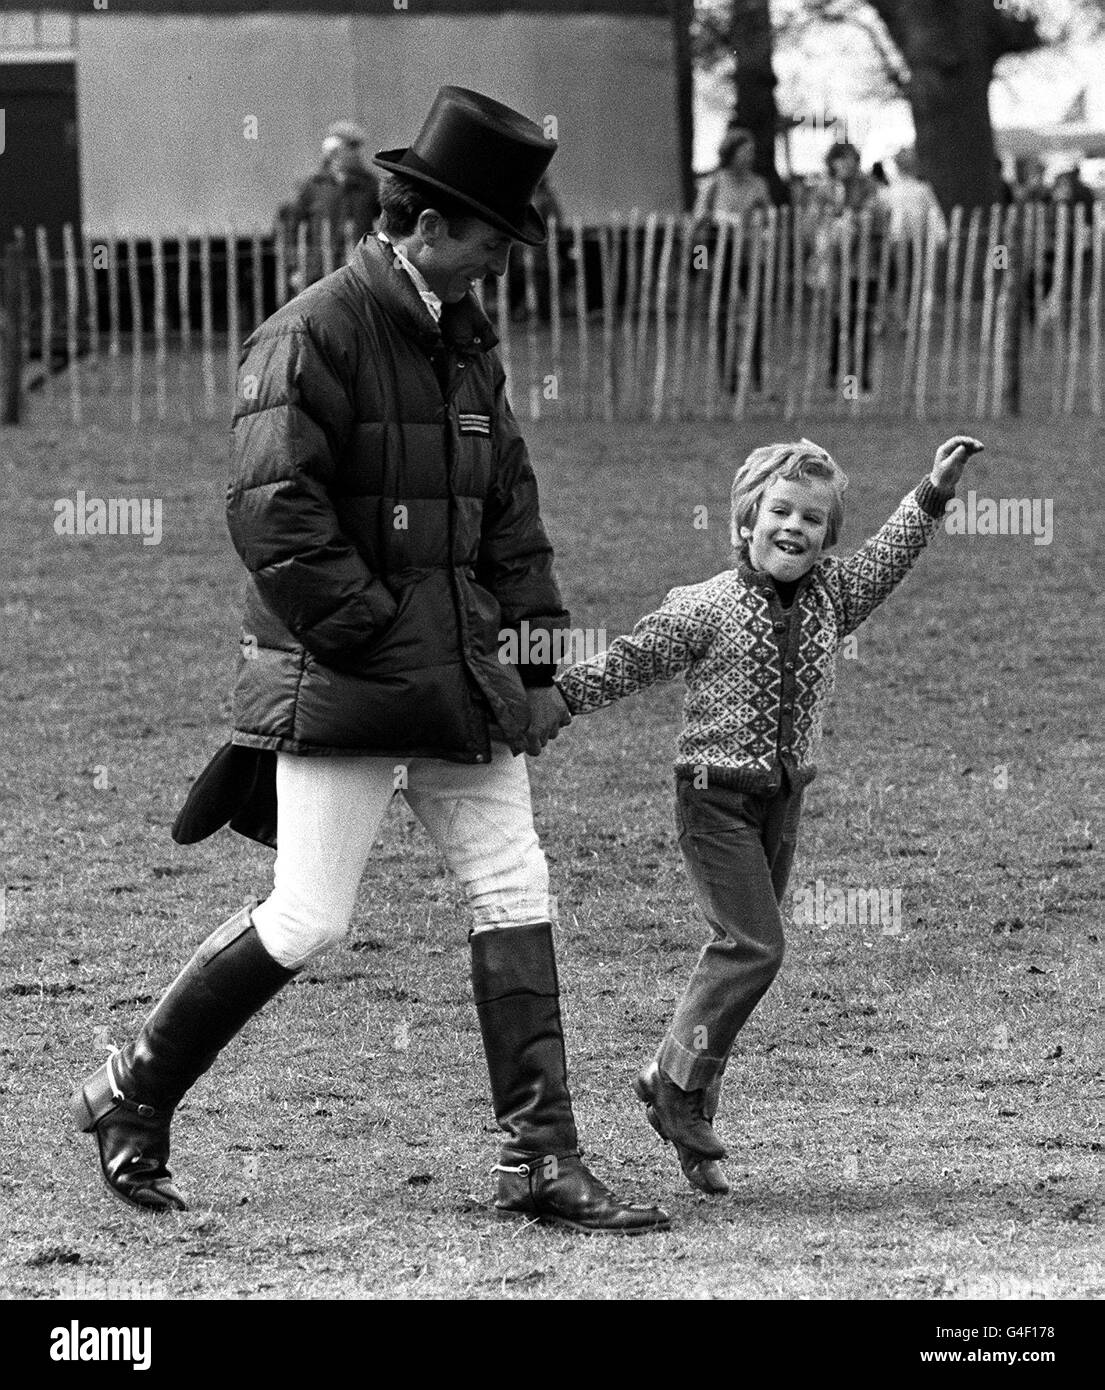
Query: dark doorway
(39, 169)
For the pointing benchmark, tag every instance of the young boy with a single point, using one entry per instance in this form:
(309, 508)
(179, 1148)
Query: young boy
(757, 645)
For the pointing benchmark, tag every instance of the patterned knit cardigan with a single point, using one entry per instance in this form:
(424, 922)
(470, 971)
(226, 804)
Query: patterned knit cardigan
(758, 676)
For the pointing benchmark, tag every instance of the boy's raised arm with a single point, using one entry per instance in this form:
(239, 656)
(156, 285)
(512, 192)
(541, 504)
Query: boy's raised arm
(868, 577)
(661, 646)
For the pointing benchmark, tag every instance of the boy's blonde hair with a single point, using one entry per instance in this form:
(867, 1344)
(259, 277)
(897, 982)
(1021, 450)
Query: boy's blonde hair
(803, 459)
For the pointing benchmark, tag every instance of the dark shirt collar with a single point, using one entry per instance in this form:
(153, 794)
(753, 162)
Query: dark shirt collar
(760, 579)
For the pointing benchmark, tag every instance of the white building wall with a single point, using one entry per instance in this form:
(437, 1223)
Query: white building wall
(164, 103)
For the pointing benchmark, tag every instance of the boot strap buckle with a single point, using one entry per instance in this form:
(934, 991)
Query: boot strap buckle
(112, 1082)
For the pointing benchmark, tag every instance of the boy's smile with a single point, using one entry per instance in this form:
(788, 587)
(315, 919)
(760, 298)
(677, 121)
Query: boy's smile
(790, 529)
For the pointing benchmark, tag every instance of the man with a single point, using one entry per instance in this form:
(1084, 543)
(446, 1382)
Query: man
(835, 209)
(913, 209)
(384, 504)
(734, 190)
(341, 193)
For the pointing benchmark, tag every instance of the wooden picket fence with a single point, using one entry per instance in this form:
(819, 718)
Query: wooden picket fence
(644, 317)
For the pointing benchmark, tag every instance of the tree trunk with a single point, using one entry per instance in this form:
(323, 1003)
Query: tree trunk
(950, 47)
(750, 38)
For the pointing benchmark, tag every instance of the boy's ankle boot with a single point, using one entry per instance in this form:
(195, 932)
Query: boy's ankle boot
(128, 1102)
(677, 1115)
(541, 1174)
(706, 1174)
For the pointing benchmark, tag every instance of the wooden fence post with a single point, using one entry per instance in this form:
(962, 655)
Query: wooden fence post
(1096, 279)
(1074, 337)
(947, 341)
(582, 326)
(533, 371)
(862, 350)
(46, 299)
(160, 326)
(751, 314)
(207, 331)
(966, 301)
(72, 313)
(663, 281)
(609, 259)
(11, 335)
(184, 309)
(731, 309)
(986, 327)
(556, 309)
(682, 302)
(136, 330)
(928, 299)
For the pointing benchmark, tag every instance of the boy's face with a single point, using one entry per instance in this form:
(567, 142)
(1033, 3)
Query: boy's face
(791, 524)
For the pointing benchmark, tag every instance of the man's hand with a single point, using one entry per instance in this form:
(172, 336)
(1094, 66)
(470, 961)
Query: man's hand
(951, 458)
(548, 715)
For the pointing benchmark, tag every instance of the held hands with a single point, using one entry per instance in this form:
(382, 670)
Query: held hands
(951, 458)
(549, 714)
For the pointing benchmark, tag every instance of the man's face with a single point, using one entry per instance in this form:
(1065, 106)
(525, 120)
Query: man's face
(845, 165)
(743, 157)
(345, 158)
(452, 265)
(790, 529)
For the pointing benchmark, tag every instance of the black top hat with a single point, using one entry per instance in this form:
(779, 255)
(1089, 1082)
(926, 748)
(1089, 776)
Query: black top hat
(482, 154)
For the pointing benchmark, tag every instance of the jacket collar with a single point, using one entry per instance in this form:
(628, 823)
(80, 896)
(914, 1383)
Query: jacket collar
(464, 327)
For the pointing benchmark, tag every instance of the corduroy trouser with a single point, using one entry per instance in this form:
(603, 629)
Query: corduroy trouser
(738, 848)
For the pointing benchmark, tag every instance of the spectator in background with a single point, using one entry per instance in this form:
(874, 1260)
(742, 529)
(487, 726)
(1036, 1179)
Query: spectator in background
(1068, 191)
(1006, 193)
(835, 216)
(1031, 184)
(911, 203)
(733, 187)
(1069, 188)
(732, 190)
(342, 192)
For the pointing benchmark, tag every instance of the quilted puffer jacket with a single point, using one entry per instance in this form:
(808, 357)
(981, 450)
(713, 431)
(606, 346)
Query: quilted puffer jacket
(385, 507)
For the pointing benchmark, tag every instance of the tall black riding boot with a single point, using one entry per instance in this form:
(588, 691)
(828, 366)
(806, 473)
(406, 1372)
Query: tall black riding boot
(540, 1170)
(128, 1102)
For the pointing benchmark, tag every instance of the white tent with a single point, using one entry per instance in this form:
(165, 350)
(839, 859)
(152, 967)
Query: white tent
(1085, 138)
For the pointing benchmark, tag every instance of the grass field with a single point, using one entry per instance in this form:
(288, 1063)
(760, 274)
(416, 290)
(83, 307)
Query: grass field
(910, 1116)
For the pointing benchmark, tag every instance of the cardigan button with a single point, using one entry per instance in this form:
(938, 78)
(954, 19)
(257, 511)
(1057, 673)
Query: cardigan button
(779, 627)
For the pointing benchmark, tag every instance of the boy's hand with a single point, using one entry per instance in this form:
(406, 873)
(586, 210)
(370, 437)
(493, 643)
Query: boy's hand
(549, 713)
(951, 458)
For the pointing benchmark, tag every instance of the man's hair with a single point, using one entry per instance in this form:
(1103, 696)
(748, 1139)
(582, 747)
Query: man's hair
(734, 137)
(403, 201)
(804, 460)
(838, 150)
